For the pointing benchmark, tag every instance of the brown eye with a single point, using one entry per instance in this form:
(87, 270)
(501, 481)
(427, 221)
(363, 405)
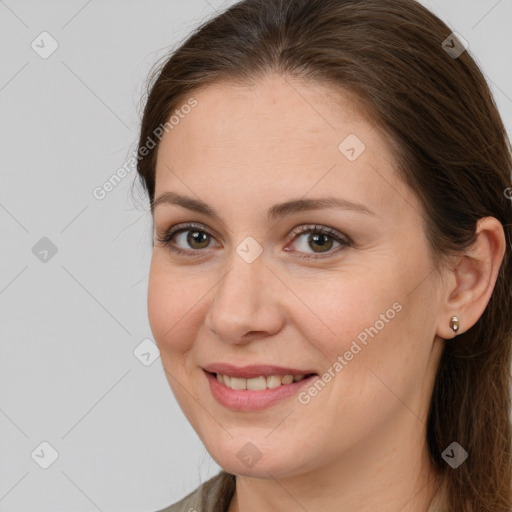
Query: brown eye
(186, 240)
(190, 240)
(201, 238)
(318, 240)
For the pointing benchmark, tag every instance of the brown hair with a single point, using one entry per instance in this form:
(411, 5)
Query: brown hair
(451, 148)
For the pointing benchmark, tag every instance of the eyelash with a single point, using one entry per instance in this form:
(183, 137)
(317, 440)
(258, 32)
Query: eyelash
(167, 237)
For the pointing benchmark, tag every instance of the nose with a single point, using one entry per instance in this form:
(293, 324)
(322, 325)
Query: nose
(247, 302)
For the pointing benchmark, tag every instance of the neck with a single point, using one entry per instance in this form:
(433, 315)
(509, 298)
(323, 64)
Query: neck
(389, 473)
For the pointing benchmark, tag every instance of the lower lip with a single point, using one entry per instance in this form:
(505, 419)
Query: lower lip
(247, 400)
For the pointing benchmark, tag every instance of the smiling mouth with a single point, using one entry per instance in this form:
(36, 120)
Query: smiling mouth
(259, 383)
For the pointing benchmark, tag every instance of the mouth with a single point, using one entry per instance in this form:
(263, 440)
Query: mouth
(243, 394)
(259, 383)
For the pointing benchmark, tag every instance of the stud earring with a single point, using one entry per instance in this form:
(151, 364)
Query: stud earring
(454, 323)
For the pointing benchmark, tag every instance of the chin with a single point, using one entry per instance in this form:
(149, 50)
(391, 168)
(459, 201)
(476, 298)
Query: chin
(245, 459)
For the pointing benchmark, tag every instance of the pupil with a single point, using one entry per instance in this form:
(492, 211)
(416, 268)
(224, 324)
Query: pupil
(197, 237)
(318, 237)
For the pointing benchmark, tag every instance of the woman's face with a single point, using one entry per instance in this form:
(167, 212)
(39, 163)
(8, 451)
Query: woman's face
(354, 300)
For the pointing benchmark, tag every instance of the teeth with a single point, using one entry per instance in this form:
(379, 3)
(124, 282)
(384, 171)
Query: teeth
(273, 381)
(238, 383)
(258, 383)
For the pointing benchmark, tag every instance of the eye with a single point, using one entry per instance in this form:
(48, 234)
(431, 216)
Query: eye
(321, 238)
(193, 235)
(197, 238)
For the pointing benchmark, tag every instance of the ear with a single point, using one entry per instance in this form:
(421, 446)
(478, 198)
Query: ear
(472, 278)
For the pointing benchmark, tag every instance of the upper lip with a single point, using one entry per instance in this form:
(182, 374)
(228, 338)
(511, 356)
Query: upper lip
(254, 370)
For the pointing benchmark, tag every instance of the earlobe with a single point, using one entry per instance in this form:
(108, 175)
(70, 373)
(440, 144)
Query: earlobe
(475, 276)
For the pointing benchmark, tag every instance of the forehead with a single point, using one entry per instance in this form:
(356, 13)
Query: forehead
(278, 136)
(274, 108)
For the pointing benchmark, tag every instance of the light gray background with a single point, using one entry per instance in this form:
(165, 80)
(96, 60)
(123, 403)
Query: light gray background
(69, 326)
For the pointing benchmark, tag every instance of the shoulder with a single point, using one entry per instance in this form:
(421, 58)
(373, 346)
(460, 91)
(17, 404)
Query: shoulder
(190, 503)
(215, 492)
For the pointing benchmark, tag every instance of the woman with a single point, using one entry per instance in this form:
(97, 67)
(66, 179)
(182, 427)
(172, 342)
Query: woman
(330, 284)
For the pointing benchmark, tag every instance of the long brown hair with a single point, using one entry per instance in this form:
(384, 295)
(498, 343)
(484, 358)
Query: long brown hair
(450, 147)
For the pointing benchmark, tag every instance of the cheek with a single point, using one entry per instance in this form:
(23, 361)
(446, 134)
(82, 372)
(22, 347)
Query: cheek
(341, 311)
(383, 336)
(173, 308)
(364, 325)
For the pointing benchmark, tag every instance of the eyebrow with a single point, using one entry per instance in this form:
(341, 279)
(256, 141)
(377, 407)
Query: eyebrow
(275, 212)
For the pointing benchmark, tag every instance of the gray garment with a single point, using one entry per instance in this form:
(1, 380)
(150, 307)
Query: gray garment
(224, 483)
(217, 492)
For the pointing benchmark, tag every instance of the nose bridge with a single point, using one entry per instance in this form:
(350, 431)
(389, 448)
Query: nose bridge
(243, 301)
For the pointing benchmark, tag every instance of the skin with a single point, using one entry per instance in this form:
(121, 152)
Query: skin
(359, 444)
